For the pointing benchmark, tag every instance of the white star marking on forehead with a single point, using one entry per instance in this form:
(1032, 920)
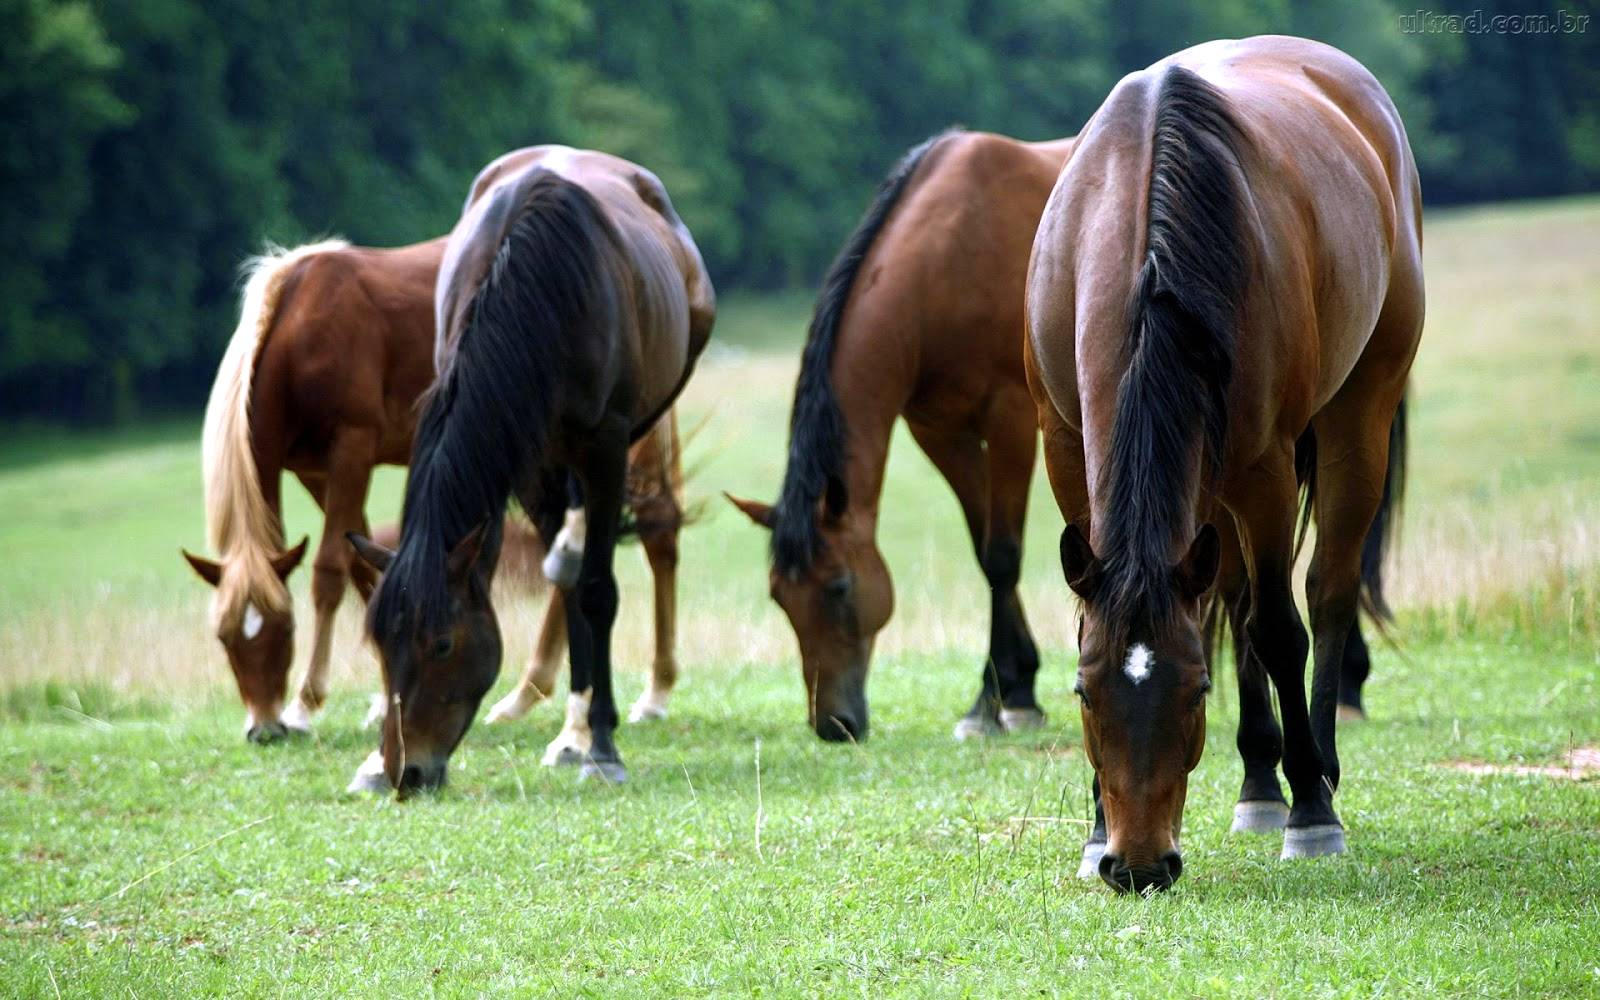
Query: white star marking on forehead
(1139, 662)
(252, 622)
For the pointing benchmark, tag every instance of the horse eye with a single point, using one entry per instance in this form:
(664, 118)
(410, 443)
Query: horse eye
(1083, 696)
(442, 647)
(839, 587)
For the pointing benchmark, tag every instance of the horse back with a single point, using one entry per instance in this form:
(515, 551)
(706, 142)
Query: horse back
(350, 347)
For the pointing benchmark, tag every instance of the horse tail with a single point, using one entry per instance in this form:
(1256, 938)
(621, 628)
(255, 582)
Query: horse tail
(1181, 319)
(816, 424)
(1385, 523)
(1375, 548)
(239, 525)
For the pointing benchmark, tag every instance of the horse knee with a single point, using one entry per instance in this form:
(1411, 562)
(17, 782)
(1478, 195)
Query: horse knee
(327, 586)
(597, 599)
(1002, 563)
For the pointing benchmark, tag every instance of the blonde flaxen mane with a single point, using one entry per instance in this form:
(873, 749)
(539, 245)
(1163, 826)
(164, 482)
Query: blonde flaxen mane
(244, 532)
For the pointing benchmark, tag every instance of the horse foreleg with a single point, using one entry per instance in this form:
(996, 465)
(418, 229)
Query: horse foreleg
(1265, 508)
(960, 459)
(1012, 441)
(343, 500)
(1261, 807)
(604, 483)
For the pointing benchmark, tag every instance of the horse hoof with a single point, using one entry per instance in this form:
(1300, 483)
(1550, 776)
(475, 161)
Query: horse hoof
(369, 778)
(1259, 817)
(1349, 713)
(1313, 841)
(646, 711)
(562, 757)
(297, 718)
(610, 772)
(1089, 866)
(1016, 720)
(975, 727)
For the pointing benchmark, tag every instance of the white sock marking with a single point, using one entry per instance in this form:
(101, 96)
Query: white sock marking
(1139, 661)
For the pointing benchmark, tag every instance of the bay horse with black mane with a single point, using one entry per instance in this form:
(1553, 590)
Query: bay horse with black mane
(921, 317)
(570, 309)
(1228, 275)
(321, 377)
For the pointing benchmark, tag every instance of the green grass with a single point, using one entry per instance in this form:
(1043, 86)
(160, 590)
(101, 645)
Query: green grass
(145, 849)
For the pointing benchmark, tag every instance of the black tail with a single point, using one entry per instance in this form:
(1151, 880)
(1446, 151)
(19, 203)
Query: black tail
(1384, 524)
(485, 421)
(816, 426)
(1180, 341)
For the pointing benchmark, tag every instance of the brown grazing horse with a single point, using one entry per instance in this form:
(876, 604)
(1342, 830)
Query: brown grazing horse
(570, 310)
(333, 348)
(920, 316)
(1228, 273)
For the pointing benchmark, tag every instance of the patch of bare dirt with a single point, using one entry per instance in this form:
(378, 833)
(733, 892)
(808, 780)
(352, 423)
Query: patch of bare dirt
(1577, 764)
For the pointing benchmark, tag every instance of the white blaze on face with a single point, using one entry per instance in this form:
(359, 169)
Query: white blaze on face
(1140, 660)
(252, 621)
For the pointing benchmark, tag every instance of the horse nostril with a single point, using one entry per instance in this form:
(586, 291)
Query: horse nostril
(1174, 862)
(840, 728)
(1113, 873)
(411, 777)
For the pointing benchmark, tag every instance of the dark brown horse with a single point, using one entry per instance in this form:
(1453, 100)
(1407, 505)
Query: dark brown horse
(1228, 273)
(919, 317)
(570, 309)
(321, 378)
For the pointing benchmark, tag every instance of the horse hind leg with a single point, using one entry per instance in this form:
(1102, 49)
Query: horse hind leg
(538, 681)
(660, 541)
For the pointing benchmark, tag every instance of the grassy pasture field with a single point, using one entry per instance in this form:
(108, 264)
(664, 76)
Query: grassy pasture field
(145, 849)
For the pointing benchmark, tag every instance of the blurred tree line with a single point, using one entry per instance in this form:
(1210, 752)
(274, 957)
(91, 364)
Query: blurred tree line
(149, 145)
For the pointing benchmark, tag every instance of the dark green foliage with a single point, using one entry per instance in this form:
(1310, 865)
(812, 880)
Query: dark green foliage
(147, 146)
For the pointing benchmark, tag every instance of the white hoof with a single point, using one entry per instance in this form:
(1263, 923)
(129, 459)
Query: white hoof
(514, 705)
(1016, 720)
(610, 772)
(1259, 817)
(649, 708)
(297, 718)
(369, 777)
(1089, 865)
(564, 561)
(1313, 841)
(377, 708)
(571, 745)
(975, 727)
(1349, 713)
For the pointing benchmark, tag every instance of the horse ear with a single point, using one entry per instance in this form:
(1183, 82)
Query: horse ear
(284, 565)
(835, 498)
(465, 554)
(760, 513)
(376, 555)
(207, 570)
(1079, 564)
(1198, 570)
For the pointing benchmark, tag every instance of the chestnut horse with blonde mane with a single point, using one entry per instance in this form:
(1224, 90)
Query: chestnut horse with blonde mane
(1228, 275)
(333, 348)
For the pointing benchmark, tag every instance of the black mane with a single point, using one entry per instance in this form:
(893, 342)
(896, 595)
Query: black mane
(485, 421)
(1183, 315)
(816, 425)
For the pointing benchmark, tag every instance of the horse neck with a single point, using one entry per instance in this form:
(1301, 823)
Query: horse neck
(873, 383)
